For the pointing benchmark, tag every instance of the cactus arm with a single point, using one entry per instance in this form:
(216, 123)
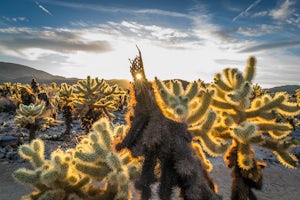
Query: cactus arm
(199, 112)
(250, 69)
(210, 144)
(281, 150)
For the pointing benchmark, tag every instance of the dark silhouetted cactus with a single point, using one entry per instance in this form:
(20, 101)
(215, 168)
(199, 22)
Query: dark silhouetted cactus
(35, 86)
(160, 139)
(66, 98)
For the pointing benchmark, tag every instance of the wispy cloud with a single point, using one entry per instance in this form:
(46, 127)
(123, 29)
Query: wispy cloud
(259, 30)
(14, 19)
(284, 11)
(245, 12)
(59, 40)
(273, 45)
(97, 7)
(43, 8)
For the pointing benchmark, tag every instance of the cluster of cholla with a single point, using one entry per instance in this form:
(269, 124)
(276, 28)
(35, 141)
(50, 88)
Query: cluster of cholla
(90, 99)
(92, 170)
(225, 118)
(170, 130)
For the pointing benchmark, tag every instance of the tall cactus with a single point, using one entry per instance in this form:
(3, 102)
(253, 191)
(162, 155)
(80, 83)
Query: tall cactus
(31, 117)
(66, 101)
(164, 140)
(94, 98)
(192, 106)
(246, 123)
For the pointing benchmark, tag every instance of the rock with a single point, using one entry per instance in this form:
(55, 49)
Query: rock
(12, 155)
(6, 105)
(6, 140)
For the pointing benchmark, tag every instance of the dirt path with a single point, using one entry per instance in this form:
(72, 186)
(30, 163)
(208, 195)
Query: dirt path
(279, 182)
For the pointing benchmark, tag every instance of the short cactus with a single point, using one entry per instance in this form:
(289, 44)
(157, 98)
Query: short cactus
(69, 174)
(96, 158)
(31, 118)
(52, 179)
(94, 98)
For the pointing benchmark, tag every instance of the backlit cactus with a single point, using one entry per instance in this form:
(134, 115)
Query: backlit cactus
(69, 174)
(246, 122)
(31, 118)
(191, 106)
(55, 178)
(96, 158)
(160, 135)
(94, 99)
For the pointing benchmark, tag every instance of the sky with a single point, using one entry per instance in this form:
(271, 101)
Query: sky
(182, 39)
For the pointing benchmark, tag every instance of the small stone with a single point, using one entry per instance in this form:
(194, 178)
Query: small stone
(6, 140)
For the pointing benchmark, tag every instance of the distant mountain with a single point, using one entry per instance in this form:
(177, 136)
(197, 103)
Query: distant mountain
(10, 72)
(285, 88)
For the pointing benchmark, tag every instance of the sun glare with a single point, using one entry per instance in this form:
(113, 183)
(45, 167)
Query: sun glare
(138, 76)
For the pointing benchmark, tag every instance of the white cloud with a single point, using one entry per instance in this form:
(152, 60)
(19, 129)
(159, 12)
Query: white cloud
(259, 30)
(15, 19)
(261, 14)
(284, 11)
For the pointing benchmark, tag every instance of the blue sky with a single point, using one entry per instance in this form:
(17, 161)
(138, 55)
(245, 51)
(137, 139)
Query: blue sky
(185, 39)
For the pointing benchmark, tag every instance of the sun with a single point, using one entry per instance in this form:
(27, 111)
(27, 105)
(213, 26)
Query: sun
(138, 76)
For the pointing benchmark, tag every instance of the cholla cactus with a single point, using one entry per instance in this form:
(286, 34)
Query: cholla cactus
(257, 91)
(55, 178)
(246, 123)
(298, 96)
(191, 106)
(35, 86)
(97, 159)
(163, 140)
(93, 170)
(66, 97)
(94, 98)
(31, 118)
